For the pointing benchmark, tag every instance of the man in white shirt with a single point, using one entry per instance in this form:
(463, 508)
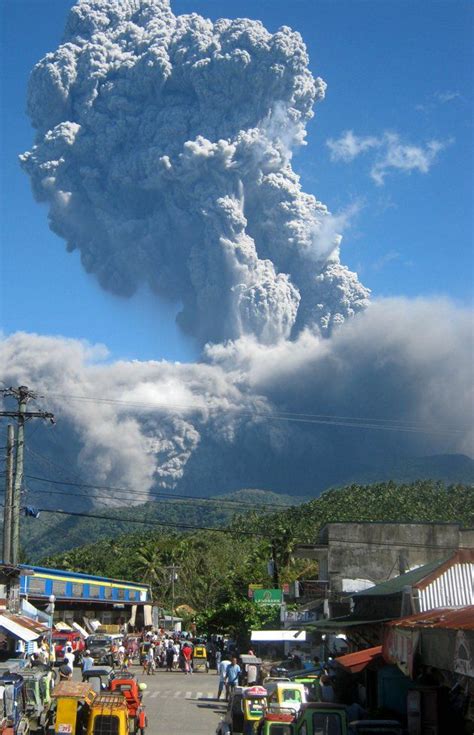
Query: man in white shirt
(69, 657)
(222, 671)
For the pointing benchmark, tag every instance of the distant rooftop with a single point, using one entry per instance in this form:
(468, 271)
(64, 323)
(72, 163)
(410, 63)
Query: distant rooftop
(396, 585)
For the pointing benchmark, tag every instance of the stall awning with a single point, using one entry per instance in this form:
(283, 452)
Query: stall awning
(266, 636)
(23, 628)
(355, 662)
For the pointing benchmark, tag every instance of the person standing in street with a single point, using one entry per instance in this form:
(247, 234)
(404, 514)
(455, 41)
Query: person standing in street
(222, 672)
(69, 657)
(87, 661)
(188, 658)
(169, 656)
(150, 660)
(232, 675)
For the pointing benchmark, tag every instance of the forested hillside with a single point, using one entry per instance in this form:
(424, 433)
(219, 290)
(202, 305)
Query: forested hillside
(216, 566)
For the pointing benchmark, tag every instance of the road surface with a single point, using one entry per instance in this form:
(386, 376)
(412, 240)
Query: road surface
(180, 704)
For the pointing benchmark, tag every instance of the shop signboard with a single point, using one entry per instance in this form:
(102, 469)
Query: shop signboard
(270, 597)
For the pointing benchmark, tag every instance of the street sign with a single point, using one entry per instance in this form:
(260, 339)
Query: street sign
(268, 597)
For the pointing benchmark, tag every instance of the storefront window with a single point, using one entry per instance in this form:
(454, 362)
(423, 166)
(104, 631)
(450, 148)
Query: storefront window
(35, 584)
(59, 588)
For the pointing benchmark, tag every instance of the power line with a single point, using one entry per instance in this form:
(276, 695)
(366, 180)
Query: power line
(121, 506)
(143, 522)
(239, 532)
(159, 496)
(380, 424)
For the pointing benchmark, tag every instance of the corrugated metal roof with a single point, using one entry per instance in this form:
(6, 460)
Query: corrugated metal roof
(355, 662)
(22, 627)
(453, 587)
(450, 618)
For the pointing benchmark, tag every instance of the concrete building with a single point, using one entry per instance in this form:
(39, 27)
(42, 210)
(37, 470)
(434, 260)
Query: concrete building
(354, 556)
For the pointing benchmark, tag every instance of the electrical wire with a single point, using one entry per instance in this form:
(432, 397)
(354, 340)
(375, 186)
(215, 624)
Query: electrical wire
(382, 424)
(98, 516)
(165, 497)
(240, 532)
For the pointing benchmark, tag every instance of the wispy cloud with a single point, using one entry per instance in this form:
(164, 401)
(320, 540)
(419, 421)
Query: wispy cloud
(385, 259)
(349, 146)
(440, 97)
(391, 153)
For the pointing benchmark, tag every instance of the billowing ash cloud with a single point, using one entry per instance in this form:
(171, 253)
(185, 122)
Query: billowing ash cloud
(164, 151)
(223, 424)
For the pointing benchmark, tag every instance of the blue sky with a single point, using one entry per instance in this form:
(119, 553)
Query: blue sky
(399, 77)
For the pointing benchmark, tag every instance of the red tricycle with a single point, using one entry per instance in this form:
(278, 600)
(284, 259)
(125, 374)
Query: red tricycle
(127, 685)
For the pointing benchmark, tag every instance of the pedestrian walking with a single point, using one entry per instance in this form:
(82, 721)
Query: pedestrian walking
(222, 672)
(169, 657)
(232, 675)
(87, 661)
(188, 658)
(69, 657)
(150, 660)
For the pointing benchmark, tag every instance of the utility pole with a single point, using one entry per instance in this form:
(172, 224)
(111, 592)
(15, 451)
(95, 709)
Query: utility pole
(22, 396)
(173, 569)
(7, 517)
(274, 567)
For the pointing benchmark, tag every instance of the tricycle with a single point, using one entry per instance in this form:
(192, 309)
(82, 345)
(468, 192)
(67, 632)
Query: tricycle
(71, 706)
(109, 716)
(38, 685)
(316, 718)
(13, 717)
(98, 677)
(200, 658)
(246, 707)
(286, 695)
(128, 686)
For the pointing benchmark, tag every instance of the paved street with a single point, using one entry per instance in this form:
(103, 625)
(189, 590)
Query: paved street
(181, 705)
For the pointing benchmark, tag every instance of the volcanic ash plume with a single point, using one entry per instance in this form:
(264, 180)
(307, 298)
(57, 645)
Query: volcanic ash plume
(164, 151)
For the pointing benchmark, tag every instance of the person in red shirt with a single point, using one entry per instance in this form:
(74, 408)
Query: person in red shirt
(188, 658)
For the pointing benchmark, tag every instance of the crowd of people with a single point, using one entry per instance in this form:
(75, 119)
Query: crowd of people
(155, 650)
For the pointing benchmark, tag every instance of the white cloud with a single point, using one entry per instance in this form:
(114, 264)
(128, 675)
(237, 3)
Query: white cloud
(438, 98)
(405, 157)
(447, 96)
(349, 146)
(392, 153)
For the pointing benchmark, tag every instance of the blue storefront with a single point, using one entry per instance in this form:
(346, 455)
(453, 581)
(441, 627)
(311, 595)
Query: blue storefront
(76, 596)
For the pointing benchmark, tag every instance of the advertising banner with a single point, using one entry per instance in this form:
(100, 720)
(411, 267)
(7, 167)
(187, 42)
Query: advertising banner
(268, 597)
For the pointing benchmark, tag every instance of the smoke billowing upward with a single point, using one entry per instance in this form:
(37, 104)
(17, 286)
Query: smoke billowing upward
(163, 149)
